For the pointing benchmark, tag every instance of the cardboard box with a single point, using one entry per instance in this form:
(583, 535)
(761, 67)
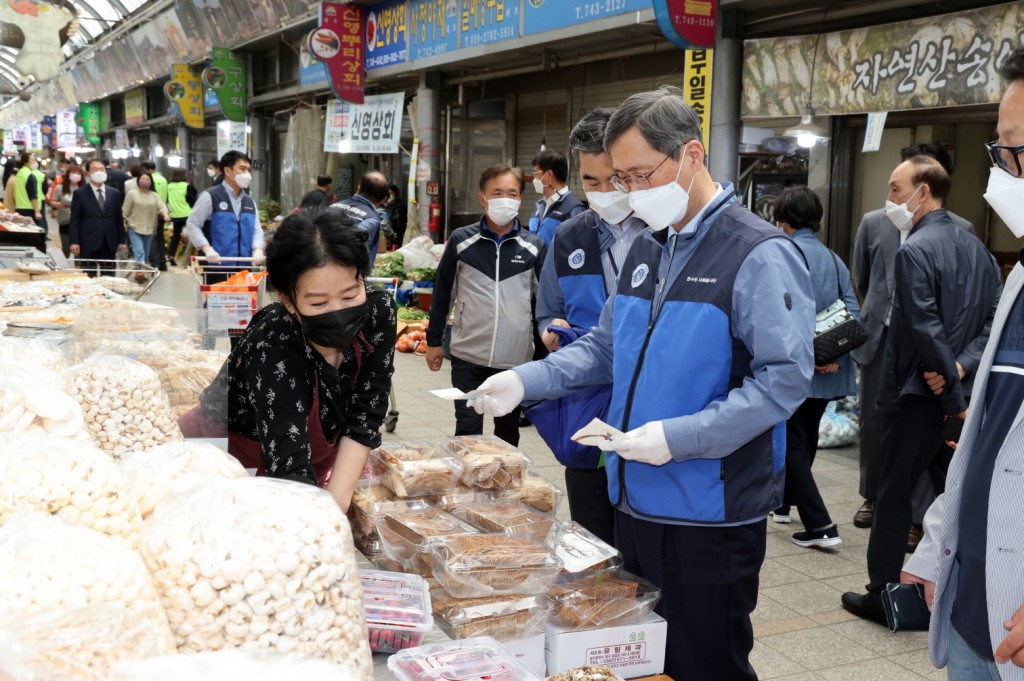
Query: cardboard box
(529, 652)
(631, 650)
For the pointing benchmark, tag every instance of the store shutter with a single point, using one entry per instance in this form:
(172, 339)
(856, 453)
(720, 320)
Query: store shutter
(539, 117)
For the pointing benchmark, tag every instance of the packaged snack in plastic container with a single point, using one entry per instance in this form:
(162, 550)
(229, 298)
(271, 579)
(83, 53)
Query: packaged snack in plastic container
(457, 497)
(602, 598)
(489, 462)
(373, 472)
(581, 551)
(31, 400)
(536, 492)
(417, 467)
(397, 610)
(31, 352)
(367, 504)
(406, 532)
(507, 516)
(506, 618)
(472, 659)
(470, 566)
(251, 665)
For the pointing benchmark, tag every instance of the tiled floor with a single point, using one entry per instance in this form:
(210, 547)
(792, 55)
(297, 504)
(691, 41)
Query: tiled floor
(802, 632)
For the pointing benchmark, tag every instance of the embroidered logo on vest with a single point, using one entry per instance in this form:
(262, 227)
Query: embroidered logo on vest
(640, 274)
(577, 258)
(223, 205)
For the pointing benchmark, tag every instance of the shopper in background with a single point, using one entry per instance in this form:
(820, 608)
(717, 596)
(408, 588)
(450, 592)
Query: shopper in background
(580, 273)
(489, 273)
(798, 212)
(319, 197)
(143, 209)
(96, 229)
(116, 177)
(181, 196)
(213, 171)
(63, 163)
(133, 177)
(158, 247)
(558, 204)
(63, 192)
(305, 391)
(363, 208)
(398, 213)
(235, 230)
(28, 189)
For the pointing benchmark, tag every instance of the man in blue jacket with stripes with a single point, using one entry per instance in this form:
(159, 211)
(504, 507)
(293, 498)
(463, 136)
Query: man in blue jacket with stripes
(707, 343)
(557, 204)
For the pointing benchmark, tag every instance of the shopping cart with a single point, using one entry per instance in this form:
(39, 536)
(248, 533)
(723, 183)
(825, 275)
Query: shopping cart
(127, 277)
(391, 285)
(221, 308)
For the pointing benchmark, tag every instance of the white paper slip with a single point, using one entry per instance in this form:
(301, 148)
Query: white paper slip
(597, 433)
(456, 394)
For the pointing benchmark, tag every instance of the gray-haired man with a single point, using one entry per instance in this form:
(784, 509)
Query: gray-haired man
(707, 344)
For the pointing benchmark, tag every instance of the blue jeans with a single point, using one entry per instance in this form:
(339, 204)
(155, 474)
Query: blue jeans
(966, 665)
(140, 245)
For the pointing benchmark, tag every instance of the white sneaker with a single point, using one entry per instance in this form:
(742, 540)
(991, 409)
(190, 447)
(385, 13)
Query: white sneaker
(782, 519)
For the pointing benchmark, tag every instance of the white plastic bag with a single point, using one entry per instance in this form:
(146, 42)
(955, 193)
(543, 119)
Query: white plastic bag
(416, 253)
(31, 400)
(31, 352)
(835, 429)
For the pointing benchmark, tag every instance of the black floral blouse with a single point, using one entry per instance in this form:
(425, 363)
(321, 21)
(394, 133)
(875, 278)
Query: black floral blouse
(269, 378)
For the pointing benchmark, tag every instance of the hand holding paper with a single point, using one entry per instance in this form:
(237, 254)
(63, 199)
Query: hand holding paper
(646, 444)
(498, 395)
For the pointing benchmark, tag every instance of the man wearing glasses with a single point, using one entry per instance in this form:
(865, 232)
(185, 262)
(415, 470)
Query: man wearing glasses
(707, 343)
(970, 559)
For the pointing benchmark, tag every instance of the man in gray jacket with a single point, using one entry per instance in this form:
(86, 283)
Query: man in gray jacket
(969, 560)
(947, 287)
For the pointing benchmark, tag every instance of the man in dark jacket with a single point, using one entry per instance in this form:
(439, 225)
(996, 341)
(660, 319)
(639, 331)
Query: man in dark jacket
(947, 287)
(318, 198)
(364, 207)
(557, 204)
(96, 229)
(115, 176)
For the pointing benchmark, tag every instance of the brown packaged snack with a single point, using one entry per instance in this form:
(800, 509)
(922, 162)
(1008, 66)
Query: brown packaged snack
(509, 517)
(406, 533)
(415, 468)
(506, 618)
(471, 566)
(602, 598)
(536, 492)
(488, 462)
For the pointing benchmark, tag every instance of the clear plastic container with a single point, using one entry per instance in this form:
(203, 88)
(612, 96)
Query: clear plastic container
(367, 504)
(488, 461)
(459, 496)
(581, 551)
(506, 618)
(508, 517)
(472, 659)
(602, 598)
(407, 530)
(397, 610)
(471, 566)
(535, 491)
(414, 468)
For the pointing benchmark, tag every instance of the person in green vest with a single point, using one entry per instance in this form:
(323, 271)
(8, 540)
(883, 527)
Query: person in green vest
(181, 196)
(28, 189)
(157, 255)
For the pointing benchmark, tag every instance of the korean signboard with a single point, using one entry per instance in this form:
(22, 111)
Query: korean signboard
(687, 23)
(231, 136)
(226, 77)
(89, 119)
(185, 88)
(483, 22)
(338, 43)
(949, 60)
(35, 138)
(311, 70)
(385, 34)
(134, 108)
(697, 89)
(373, 127)
(547, 15)
(67, 129)
(432, 29)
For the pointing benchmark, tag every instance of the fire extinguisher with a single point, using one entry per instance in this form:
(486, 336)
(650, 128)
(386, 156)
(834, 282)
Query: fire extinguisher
(434, 225)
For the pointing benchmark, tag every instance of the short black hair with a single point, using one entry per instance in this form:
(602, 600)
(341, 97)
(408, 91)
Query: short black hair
(135, 170)
(231, 158)
(373, 185)
(931, 150)
(499, 169)
(148, 166)
(312, 239)
(146, 173)
(88, 164)
(26, 157)
(929, 171)
(395, 189)
(215, 163)
(106, 161)
(1012, 67)
(549, 159)
(323, 180)
(798, 207)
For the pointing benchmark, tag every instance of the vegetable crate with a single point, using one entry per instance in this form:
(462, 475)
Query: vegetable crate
(389, 284)
(227, 296)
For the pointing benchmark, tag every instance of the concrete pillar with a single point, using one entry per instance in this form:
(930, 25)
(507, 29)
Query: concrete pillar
(727, 84)
(154, 141)
(428, 127)
(259, 150)
(185, 148)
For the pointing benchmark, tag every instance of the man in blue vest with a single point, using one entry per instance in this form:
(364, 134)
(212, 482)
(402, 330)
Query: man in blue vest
(581, 272)
(550, 173)
(235, 230)
(708, 346)
(365, 208)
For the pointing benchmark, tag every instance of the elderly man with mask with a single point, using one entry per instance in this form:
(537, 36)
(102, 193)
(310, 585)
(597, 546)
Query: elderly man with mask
(707, 345)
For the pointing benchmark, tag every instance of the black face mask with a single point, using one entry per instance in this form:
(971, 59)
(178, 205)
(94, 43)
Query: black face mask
(336, 329)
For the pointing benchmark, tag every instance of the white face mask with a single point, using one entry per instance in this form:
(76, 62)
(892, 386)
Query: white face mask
(33, 165)
(900, 215)
(538, 186)
(211, 172)
(502, 211)
(1005, 194)
(243, 180)
(99, 177)
(662, 206)
(612, 207)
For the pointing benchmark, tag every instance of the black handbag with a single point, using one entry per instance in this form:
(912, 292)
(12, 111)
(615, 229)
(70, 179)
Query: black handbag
(836, 330)
(905, 607)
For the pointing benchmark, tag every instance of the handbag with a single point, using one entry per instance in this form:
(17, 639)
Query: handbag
(836, 330)
(905, 607)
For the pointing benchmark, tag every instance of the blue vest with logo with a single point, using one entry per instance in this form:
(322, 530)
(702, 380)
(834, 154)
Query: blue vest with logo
(561, 210)
(674, 354)
(230, 235)
(577, 260)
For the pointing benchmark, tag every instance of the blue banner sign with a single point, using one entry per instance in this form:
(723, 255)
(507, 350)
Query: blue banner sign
(547, 15)
(485, 22)
(432, 28)
(386, 43)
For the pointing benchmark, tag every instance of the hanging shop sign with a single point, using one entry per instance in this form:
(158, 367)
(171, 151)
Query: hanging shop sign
(49, 130)
(67, 128)
(10, 148)
(373, 127)
(35, 138)
(89, 119)
(134, 107)
(338, 43)
(697, 88)
(231, 136)
(21, 134)
(385, 34)
(121, 138)
(226, 77)
(432, 29)
(483, 22)
(185, 88)
(311, 69)
(104, 116)
(547, 15)
(942, 61)
(687, 23)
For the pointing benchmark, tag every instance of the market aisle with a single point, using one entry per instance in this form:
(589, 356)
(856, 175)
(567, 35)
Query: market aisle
(802, 632)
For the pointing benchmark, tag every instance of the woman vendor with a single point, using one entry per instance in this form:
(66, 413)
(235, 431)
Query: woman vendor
(307, 384)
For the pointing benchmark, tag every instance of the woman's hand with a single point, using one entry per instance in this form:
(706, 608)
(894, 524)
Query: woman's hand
(348, 466)
(830, 368)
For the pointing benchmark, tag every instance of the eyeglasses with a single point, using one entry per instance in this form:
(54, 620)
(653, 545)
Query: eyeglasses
(1007, 158)
(637, 180)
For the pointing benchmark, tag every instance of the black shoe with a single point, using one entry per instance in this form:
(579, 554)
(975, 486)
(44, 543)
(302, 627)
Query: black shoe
(865, 515)
(823, 539)
(173, 263)
(866, 606)
(524, 422)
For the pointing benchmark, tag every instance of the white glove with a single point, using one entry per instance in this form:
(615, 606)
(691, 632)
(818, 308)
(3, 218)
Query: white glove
(504, 393)
(646, 444)
(212, 256)
(258, 258)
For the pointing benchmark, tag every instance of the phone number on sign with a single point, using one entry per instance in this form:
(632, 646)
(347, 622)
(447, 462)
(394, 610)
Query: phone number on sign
(591, 10)
(492, 36)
